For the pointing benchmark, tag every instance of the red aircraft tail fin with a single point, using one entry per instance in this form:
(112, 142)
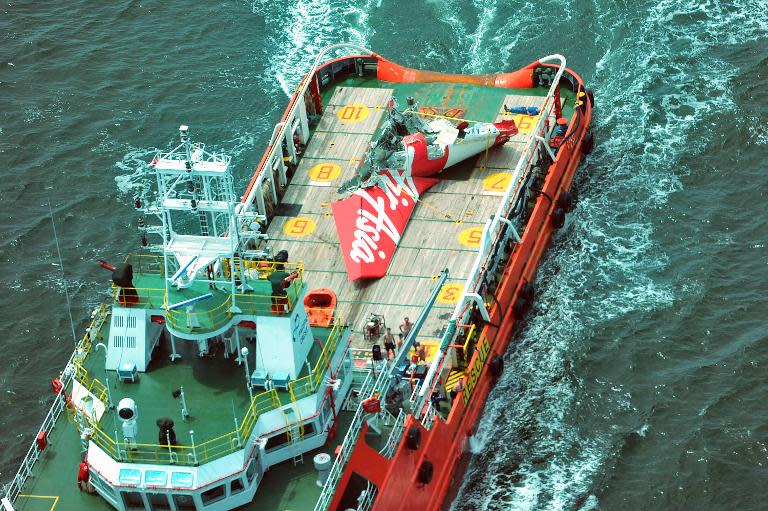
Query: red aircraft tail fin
(371, 222)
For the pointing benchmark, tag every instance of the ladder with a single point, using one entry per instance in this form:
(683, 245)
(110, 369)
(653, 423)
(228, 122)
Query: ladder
(200, 214)
(294, 435)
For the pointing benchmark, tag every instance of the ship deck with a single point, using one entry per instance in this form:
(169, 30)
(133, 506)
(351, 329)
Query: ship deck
(444, 231)
(214, 388)
(445, 227)
(54, 485)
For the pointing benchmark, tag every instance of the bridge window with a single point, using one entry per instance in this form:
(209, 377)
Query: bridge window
(184, 502)
(133, 500)
(158, 501)
(250, 472)
(215, 494)
(236, 486)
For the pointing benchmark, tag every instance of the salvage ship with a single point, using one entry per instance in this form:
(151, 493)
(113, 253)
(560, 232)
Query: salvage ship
(327, 340)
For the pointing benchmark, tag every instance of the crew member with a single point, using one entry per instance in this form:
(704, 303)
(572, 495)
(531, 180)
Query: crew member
(389, 343)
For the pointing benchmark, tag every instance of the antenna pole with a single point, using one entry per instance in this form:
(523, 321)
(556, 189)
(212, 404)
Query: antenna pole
(63, 278)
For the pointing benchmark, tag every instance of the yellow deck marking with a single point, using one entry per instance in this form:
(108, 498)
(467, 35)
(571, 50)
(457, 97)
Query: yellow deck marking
(497, 183)
(299, 226)
(450, 293)
(453, 379)
(55, 499)
(354, 112)
(471, 237)
(524, 123)
(324, 172)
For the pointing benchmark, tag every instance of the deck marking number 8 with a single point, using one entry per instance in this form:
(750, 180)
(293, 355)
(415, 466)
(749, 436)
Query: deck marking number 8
(471, 237)
(352, 113)
(324, 172)
(299, 226)
(450, 293)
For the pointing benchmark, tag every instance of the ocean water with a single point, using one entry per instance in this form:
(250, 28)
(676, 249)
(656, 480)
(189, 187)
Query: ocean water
(638, 380)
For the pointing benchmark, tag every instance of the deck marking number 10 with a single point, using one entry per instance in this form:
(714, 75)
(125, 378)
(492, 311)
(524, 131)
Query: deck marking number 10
(354, 112)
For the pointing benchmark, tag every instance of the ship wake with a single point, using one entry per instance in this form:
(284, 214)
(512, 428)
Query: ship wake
(550, 430)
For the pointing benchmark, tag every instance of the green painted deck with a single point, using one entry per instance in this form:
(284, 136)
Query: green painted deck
(285, 487)
(214, 387)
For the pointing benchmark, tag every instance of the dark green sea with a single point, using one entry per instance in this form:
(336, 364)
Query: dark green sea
(638, 381)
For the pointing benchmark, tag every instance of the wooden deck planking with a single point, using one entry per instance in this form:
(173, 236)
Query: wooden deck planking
(333, 119)
(372, 97)
(337, 146)
(431, 239)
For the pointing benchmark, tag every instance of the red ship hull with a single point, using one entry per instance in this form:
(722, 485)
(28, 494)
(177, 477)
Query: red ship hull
(444, 445)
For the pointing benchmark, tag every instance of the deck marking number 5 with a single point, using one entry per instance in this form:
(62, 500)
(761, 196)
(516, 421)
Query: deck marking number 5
(471, 237)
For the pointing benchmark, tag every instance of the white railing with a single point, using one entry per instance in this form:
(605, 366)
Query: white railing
(366, 499)
(350, 440)
(296, 118)
(394, 435)
(492, 236)
(13, 488)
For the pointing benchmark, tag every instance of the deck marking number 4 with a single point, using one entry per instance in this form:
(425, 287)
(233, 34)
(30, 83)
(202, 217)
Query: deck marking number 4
(450, 293)
(354, 112)
(299, 226)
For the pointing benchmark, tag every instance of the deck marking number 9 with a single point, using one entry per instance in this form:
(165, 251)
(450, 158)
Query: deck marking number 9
(354, 112)
(471, 237)
(299, 226)
(324, 172)
(497, 182)
(450, 293)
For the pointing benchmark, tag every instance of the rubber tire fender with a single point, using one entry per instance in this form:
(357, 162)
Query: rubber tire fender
(496, 366)
(558, 218)
(588, 143)
(591, 96)
(520, 307)
(566, 202)
(526, 291)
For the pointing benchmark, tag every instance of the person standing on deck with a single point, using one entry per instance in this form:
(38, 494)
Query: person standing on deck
(389, 343)
(406, 327)
(421, 351)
